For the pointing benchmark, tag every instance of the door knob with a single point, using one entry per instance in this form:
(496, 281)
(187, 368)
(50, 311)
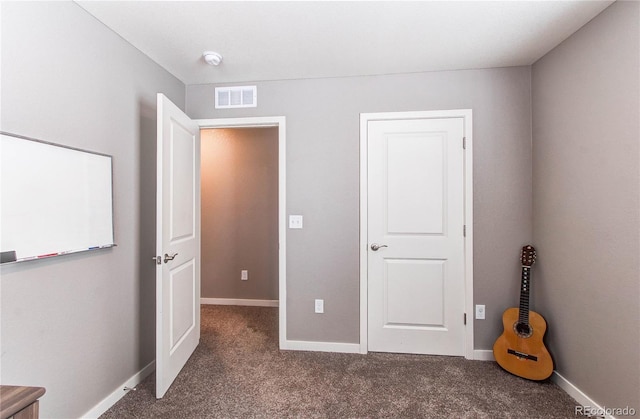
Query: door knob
(167, 258)
(376, 246)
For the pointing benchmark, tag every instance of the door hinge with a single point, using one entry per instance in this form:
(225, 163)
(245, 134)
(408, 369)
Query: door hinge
(464, 230)
(464, 143)
(465, 318)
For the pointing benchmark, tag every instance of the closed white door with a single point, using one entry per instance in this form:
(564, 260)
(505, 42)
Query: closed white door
(178, 242)
(416, 285)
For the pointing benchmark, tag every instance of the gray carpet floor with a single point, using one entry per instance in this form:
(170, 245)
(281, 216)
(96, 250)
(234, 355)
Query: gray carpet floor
(238, 371)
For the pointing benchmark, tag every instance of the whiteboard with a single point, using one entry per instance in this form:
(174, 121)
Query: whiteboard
(54, 200)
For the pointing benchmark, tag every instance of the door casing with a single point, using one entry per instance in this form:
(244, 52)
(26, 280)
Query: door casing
(280, 123)
(466, 114)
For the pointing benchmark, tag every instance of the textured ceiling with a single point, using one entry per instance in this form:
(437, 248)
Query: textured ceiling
(291, 40)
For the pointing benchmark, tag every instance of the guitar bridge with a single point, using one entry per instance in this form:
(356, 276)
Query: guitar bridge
(522, 355)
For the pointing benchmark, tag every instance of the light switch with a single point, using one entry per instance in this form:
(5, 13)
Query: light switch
(295, 221)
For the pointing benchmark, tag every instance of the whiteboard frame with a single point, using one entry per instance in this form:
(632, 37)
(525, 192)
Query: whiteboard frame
(73, 251)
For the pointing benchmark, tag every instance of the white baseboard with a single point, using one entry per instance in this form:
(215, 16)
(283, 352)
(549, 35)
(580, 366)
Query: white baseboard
(573, 391)
(354, 348)
(299, 345)
(119, 392)
(483, 355)
(239, 302)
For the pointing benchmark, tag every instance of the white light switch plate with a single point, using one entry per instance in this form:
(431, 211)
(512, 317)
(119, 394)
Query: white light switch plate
(319, 306)
(295, 221)
(480, 311)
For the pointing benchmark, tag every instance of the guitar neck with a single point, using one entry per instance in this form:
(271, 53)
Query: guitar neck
(525, 284)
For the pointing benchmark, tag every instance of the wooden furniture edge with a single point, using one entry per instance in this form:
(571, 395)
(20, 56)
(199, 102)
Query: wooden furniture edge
(14, 399)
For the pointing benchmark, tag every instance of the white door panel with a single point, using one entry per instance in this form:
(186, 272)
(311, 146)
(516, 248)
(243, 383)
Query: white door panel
(181, 183)
(178, 242)
(419, 158)
(416, 208)
(182, 319)
(406, 282)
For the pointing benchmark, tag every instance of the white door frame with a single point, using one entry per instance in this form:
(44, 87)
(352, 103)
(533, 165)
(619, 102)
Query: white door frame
(263, 122)
(466, 114)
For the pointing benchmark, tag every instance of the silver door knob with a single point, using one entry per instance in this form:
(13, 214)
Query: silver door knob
(167, 258)
(376, 246)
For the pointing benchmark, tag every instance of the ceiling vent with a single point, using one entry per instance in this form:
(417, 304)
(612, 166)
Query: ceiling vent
(236, 97)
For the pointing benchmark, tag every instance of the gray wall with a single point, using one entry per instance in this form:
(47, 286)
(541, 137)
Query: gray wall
(240, 213)
(586, 132)
(323, 183)
(80, 325)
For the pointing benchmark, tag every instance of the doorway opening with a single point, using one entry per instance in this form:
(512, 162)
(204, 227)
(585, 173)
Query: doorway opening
(239, 216)
(259, 287)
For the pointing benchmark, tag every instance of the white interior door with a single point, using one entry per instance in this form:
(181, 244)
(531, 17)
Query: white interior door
(416, 284)
(178, 242)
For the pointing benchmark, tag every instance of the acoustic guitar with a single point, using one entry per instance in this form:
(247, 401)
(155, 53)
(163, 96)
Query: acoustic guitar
(520, 349)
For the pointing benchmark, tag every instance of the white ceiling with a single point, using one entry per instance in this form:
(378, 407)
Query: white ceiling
(267, 40)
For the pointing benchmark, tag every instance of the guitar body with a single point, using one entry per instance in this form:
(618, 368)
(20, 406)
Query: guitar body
(520, 349)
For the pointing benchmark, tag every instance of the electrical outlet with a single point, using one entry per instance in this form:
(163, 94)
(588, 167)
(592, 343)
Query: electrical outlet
(244, 275)
(295, 221)
(480, 311)
(319, 306)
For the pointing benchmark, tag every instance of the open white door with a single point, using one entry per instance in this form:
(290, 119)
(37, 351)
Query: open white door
(177, 242)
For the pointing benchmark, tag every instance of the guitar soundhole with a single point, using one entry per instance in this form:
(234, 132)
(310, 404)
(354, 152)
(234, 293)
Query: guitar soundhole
(523, 330)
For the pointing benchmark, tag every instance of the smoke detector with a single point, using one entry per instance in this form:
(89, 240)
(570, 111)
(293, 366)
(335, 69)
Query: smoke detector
(212, 57)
